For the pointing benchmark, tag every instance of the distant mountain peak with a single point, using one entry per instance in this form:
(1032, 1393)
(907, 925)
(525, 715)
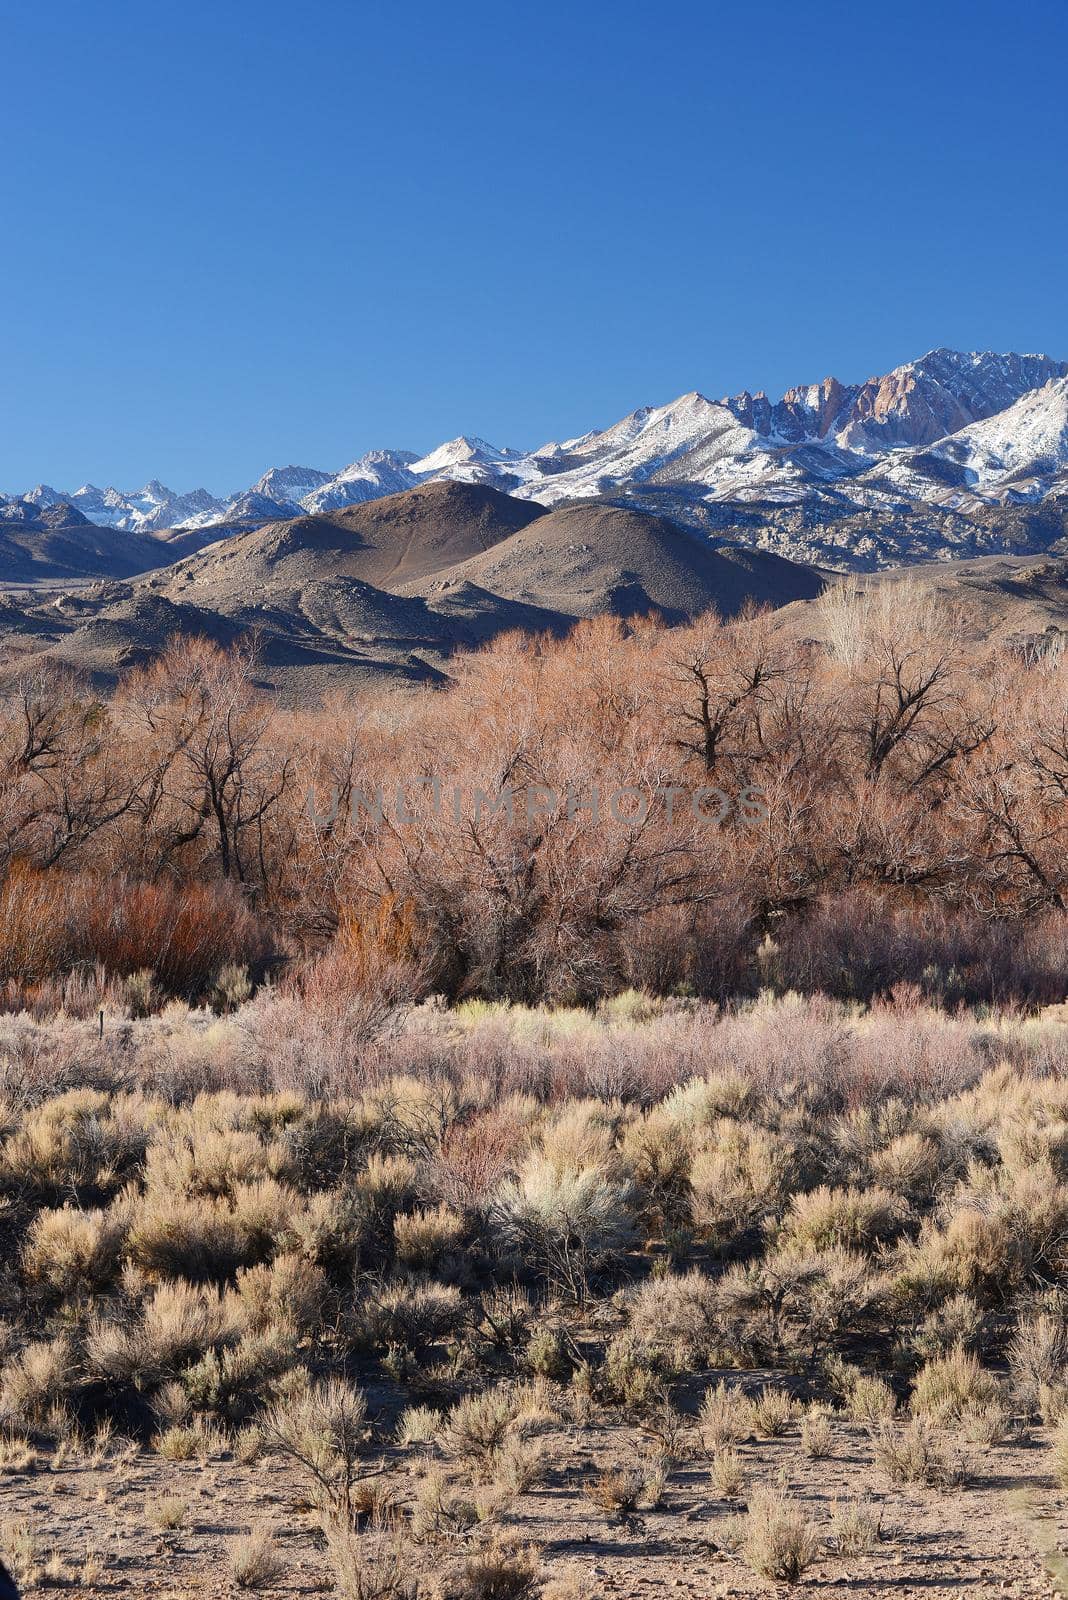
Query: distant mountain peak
(912, 440)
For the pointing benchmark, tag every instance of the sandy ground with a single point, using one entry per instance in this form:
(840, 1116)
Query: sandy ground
(1002, 1535)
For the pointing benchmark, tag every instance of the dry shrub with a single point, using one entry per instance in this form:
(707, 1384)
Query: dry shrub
(504, 1569)
(38, 1380)
(370, 1566)
(179, 1324)
(945, 1389)
(418, 1425)
(844, 1219)
(254, 1559)
(569, 1222)
(1038, 1357)
(738, 1179)
(412, 1315)
(856, 1527)
(423, 1239)
(772, 1412)
(779, 1542)
(676, 1314)
(476, 1428)
(727, 1473)
(817, 1436)
(724, 1418)
(181, 934)
(322, 1428)
(617, 1492)
(442, 1508)
(69, 1252)
(914, 1453)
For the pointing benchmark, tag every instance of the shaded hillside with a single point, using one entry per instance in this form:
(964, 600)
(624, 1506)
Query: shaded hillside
(397, 585)
(585, 559)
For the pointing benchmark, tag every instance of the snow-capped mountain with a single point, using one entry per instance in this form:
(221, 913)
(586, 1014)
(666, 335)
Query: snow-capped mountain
(467, 460)
(1014, 456)
(950, 432)
(142, 511)
(378, 473)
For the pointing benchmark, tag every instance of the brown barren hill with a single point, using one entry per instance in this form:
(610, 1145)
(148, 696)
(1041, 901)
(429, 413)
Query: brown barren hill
(585, 559)
(396, 586)
(391, 542)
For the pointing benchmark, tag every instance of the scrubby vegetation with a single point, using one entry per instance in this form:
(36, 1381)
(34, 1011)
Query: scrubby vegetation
(906, 822)
(512, 1187)
(724, 1245)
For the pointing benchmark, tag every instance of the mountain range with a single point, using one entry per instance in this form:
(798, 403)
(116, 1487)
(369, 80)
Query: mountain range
(395, 586)
(955, 454)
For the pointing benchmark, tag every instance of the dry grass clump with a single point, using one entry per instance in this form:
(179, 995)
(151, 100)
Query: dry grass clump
(168, 1513)
(503, 1569)
(777, 1539)
(772, 1412)
(724, 1418)
(17, 1453)
(856, 1527)
(418, 1425)
(914, 1453)
(618, 1492)
(254, 1559)
(817, 1435)
(727, 1473)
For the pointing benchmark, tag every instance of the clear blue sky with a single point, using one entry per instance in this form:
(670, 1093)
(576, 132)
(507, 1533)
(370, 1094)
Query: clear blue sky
(243, 234)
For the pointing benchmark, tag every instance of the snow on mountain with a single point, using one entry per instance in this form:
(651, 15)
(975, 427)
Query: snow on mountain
(289, 485)
(44, 495)
(951, 430)
(144, 511)
(946, 390)
(1014, 455)
(466, 460)
(650, 443)
(378, 473)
